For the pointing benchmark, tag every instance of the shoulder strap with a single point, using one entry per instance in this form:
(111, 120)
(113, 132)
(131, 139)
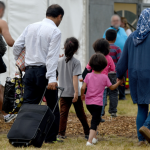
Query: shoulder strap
(19, 70)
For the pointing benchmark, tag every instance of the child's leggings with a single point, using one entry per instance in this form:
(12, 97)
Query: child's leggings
(95, 111)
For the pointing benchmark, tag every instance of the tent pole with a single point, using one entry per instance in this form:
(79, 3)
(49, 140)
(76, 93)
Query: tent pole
(48, 3)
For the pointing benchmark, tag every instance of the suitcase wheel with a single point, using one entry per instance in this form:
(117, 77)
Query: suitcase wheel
(17, 144)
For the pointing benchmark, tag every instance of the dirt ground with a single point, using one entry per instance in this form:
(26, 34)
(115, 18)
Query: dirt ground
(121, 126)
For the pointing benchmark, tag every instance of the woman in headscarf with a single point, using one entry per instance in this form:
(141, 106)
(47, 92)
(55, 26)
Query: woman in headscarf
(136, 58)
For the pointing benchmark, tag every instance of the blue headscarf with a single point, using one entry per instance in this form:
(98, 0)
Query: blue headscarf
(143, 27)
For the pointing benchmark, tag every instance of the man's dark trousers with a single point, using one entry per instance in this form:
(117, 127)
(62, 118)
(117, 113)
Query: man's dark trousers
(35, 83)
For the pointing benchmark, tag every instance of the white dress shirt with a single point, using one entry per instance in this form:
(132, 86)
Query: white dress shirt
(42, 41)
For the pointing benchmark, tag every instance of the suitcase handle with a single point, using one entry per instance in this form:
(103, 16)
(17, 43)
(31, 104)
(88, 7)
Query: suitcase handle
(59, 88)
(62, 89)
(47, 126)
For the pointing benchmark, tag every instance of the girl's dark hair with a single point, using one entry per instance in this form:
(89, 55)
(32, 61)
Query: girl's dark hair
(102, 46)
(98, 62)
(71, 46)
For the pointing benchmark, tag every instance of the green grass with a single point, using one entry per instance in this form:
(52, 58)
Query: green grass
(125, 107)
(107, 143)
(112, 142)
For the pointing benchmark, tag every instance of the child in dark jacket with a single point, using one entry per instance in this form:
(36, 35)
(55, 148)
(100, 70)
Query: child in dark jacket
(115, 53)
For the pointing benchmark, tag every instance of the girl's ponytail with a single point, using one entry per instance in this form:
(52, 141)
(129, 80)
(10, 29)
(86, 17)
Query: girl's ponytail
(71, 46)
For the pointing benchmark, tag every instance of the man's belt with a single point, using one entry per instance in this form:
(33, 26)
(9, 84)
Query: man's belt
(31, 67)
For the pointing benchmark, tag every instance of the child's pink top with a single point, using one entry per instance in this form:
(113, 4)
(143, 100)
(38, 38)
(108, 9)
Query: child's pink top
(110, 65)
(96, 84)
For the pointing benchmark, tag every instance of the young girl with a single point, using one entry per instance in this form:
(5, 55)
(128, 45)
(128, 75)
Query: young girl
(102, 46)
(96, 83)
(69, 68)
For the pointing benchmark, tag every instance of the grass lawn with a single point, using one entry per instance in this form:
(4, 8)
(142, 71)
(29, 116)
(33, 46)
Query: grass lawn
(108, 143)
(125, 108)
(111, 142)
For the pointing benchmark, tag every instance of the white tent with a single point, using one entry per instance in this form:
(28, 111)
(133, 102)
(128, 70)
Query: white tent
(21, 13)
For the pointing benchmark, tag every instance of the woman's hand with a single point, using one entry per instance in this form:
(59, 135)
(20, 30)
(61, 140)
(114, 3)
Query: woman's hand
(75, 99)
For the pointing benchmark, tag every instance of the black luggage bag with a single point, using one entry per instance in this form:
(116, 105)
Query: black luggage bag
(32, 124)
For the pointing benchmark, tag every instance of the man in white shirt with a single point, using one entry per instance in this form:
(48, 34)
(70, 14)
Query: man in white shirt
(42, 41)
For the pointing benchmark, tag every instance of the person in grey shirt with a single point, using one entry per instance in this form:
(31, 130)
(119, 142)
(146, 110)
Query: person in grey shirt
(69, 68)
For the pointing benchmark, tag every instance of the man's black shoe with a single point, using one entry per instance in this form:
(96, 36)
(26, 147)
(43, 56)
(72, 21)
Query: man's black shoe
(57, 141)
(61, 137)
(102, 120)
(122, 98)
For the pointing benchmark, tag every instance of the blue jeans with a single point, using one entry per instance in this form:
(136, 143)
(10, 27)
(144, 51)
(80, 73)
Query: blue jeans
(104, 101)
(143, 119)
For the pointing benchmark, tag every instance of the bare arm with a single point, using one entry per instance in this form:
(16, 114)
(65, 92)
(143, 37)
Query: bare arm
(75, 85)
(83, 91)
(6, 34)
(113, 87)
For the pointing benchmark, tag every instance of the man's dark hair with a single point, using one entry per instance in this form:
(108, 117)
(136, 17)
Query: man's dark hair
(98, 62)
(102, 46)
(54, 11)
(2, 5)
(111, 35)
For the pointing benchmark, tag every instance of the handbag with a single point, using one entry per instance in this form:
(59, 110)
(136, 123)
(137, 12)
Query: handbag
(21, 60)
(13, 94)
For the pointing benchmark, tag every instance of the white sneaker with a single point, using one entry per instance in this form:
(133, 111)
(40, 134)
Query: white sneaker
(10, 117)
(89, 144)
(94, 141)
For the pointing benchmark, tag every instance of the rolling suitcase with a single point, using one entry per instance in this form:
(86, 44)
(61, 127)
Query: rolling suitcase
(32, 124)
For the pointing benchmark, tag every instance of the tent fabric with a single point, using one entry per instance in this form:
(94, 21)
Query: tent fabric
(20, 13)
